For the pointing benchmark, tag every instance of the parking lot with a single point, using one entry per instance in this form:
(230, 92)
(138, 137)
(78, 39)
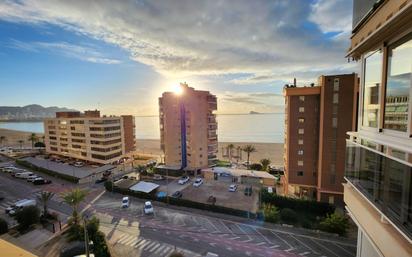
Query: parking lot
(220, 190)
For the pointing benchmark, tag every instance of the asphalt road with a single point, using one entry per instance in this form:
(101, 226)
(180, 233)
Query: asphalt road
(134, 234)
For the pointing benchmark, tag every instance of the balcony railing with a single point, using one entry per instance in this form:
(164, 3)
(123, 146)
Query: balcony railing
(385, 182)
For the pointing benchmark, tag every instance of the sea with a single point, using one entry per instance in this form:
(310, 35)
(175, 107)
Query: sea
(254, 128)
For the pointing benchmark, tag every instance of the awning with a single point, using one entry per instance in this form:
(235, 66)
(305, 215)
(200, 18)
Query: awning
(145, 187)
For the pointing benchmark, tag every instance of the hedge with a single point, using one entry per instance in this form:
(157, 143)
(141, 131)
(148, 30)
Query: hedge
(181, 202)
(298, 205)
(46, 171)
(172, 173)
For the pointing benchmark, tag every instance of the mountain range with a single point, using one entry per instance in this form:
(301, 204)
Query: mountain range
(30, 112)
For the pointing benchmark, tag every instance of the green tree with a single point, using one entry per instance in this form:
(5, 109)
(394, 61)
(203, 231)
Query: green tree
(93, 227)
(44, 199)
(248, 149)
(270, 213)
(33, 138)
(21, 143)
(39, 144)
(288, 215)
(4, 227)
(265, 164)
(255, 166)
(74, 198)
(28, 216)
(335, 223)
(230, 148)
(2, 139)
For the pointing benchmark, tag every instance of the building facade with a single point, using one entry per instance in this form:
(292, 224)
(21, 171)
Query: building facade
(378, 188)
(89, 136)
(188, 128)
(317, 119)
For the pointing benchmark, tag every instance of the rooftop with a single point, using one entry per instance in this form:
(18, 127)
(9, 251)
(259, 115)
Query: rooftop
(240, 172)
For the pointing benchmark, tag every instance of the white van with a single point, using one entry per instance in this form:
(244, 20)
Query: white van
(24, 175)
(21, 205)
(11, 207)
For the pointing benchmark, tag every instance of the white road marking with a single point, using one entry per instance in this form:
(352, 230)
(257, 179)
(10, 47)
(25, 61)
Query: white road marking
(261, 243)
(155, 247)
(141, 243)
(351, 253)
(148, 246)
(283, 240)
(304, 253)
(234, 238)
(314, 251)
(274, 246)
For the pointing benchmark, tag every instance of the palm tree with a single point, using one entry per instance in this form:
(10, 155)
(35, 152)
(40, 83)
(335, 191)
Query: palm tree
(2, 139)
(74, 198)
(248, 149)
(230, 148)
(44, 199)
(21, 143)
(265, 164)
(33, 138)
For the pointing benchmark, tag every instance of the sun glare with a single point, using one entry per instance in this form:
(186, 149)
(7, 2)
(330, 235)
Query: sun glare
(177, 89)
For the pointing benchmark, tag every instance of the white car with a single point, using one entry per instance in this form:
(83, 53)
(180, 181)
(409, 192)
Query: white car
(19, 206)
(232, 188)
(24, 175)
(78, 164)
(33, 178)
(198, 182)
(183, 180)
(125, 202)
(11, 207)
(148, 208)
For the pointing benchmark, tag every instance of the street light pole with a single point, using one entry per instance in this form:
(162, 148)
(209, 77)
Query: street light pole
(86, 238)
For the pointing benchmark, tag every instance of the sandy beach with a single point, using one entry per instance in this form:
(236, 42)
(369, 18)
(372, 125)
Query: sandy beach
(272, 151)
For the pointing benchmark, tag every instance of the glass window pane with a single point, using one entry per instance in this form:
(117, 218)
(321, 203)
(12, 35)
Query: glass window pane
(398, 86)
(372, 81)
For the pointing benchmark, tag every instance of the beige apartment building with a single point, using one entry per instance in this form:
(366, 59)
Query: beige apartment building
(188, 128)
(316, 121)
(90, 137)
(378, 188)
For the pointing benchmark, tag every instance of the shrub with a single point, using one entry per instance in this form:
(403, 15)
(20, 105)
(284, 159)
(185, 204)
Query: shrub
(39, 144)
(27, 216)
(270, 213)
(176, 254)
(335, 223)
(256, 166)
(75, 233)
(100, 248)
(93, 227)
(313, 208)
(108, 185)
(4, 227)
(289, 216)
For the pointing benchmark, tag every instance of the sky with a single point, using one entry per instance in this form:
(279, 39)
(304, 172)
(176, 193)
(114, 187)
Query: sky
(119, 56)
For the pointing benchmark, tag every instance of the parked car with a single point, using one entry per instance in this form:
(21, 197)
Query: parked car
(148, 208)
(41, 181)
(232, 188)
(78, 164)
(24, 175)
(32, 178)
(21, 205)
(158, 177)
(11, 207)
(125, 202)
(101, 180)
(177, 194)
(183, 180)
(248, 191)
(198, 182)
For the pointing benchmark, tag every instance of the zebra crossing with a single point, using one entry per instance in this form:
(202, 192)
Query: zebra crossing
(150, 247)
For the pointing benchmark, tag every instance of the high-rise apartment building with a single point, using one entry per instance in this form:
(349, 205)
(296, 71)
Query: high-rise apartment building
(378, 188)
(188, 128)
(89, 136)
(316, 122)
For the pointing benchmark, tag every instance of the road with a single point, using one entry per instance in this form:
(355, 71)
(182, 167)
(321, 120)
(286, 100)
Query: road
(134, 234)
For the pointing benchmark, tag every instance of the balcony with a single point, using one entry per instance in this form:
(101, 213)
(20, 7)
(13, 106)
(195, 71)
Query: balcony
(385, 182)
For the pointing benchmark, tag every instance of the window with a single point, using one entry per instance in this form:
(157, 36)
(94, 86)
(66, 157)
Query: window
(371, 86)
(335, 122)
(398, 85)
(300, 173)
(336, 85)
(301, 120)
(301, 109)
(301, 131)
(300, 152)
(302, 98)
(335, 98)
(300, 163)
(335, 109)
(300, 141)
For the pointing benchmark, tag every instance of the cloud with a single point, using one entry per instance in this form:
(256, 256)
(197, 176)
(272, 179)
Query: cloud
(332, 15)
(179, 38)
(84, 53)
